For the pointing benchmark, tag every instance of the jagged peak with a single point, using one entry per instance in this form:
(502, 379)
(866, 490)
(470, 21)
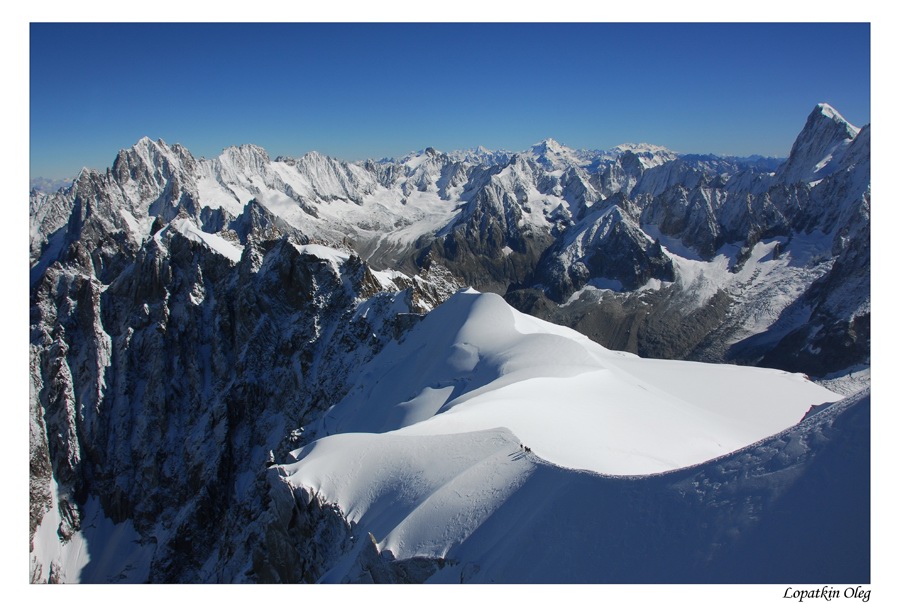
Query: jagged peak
(827, 110)
(147, 149)
(426, 151)
(548, 145)
(554, 155)
(415, 159)
(87, 177)
(824, 111)
(638, 148)
(480, 154)
(246, 150)
(145, 142)
(818, 148)
(314, 161)
(253, 148)
(153, 156)
(314, 155)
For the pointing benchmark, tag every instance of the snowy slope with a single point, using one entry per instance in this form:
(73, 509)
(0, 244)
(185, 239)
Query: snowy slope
(754, 516)
(124, 556)
(477, 364)
(428, 446)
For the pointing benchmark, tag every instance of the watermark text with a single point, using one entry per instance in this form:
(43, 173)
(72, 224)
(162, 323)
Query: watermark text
(827, 593)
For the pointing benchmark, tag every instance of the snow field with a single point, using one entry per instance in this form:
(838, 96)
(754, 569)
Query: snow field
(430, 444)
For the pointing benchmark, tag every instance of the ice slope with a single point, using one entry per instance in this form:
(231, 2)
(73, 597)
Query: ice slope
(429, 444)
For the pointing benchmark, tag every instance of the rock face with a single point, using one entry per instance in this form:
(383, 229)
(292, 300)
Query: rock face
(607, 244)
(190, 316)
(764, 268)
(164, 373)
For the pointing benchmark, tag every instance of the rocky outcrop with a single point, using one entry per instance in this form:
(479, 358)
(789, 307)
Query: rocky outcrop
(158, 387)
(667, 216)
(606, 245)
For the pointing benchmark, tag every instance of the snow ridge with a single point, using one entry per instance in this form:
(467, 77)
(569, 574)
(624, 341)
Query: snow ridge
(449, 478)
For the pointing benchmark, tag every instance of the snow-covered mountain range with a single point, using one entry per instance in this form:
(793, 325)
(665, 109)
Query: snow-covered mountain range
(247, 369)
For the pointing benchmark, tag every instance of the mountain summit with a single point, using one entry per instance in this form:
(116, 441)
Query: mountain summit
(819, 146)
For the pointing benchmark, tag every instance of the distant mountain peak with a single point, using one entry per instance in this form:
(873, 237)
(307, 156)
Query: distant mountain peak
(145, 142)
(247, 149)
(641, 148)
(548, 145)
(824, 110)
(313, 154)
(553, 155)
(819, 146)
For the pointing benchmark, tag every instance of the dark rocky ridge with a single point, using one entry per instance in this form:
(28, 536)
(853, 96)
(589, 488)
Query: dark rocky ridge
(185, 369)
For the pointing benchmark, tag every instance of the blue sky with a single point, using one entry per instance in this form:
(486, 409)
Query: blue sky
(373, 90)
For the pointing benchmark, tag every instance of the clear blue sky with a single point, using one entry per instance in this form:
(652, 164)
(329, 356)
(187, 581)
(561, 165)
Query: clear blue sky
(374, 90)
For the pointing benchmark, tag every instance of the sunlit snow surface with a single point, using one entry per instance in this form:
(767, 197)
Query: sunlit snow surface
(230, 250)
(429, 443)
